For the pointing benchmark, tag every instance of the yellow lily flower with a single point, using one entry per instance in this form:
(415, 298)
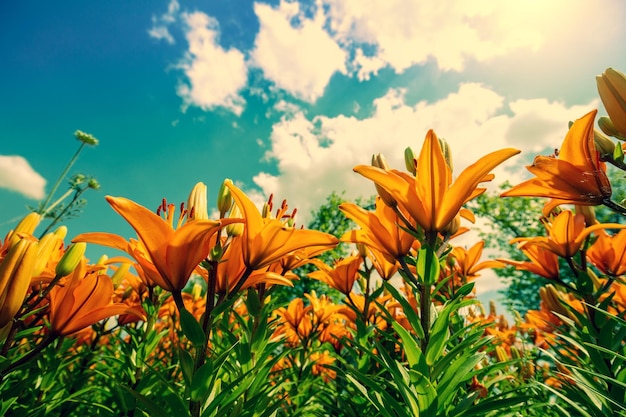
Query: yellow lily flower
(431, 198)
(174, 253)
(577, 176)
(267, 240)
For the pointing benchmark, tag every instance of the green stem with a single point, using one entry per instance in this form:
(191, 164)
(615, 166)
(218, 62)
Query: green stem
(30, 355)
(62, 213)
(614, 206)
(412, 278)
(43, 210)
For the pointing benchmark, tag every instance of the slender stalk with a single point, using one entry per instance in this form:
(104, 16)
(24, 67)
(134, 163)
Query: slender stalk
(614, 206)
(426, 290)
(44, 209)
(30, 355)
(62, 213)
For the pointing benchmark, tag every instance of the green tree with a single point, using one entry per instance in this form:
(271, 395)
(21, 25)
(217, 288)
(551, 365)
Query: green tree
(509, 218)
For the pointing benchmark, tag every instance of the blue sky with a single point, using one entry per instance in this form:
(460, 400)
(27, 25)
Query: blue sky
(283, 97)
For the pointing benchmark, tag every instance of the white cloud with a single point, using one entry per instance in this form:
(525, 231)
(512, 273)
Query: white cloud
(315, 157)
(160, 25)
(215, 76)
(408, 32)
(300, 59)
(16, 174)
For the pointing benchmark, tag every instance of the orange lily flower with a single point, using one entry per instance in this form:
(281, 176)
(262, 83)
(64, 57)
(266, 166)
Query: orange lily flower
(566, 234)
(467, 261)
(295, 322)
(341, 276)
(83, 301)
(231, 268)
(379, 230)
(385, 269)
(173, 253)
(543, 262)
(431, 198)
(267, 240)
(608, 253)
(577, 176)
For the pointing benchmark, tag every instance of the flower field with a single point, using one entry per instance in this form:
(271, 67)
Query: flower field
(192, 319)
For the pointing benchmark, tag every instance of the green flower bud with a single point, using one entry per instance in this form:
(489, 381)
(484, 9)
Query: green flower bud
(119, 274)
(447, 154)
(379, 161)
(612, 89)
(607, 126)
(85, 138)
(409, 160)
(235, 229)
(224, 198)
(70, 259)
(604, 145)
(93, 184)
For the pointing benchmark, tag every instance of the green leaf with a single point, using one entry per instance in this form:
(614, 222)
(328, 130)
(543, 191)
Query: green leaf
(411, 315)
(191, 328)
(411, 349)
(427, 265)
(186, 365)
(201, 382)
(426, 394)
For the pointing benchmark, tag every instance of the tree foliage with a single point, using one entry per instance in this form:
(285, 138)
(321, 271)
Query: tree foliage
(508, 218)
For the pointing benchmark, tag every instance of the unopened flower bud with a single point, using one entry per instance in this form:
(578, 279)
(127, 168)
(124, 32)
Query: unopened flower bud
(70, 259)
(606, 125)
(197, 203)
(552, 299)
(589, 213)
(196, 291)
(502, 354)
(16, 271)
(26, 226)
(120, 273)
(447, 154)
(86, 138)
(379, 161)
(224, 198)
(234, 229)
(266, 212)
(612, 89)
(452, 227)
(515, 353)
(93, 184)
(604, 145)
(409, 160)
(618, 153)
(47, 245)
(61, 232)
(216, 252)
